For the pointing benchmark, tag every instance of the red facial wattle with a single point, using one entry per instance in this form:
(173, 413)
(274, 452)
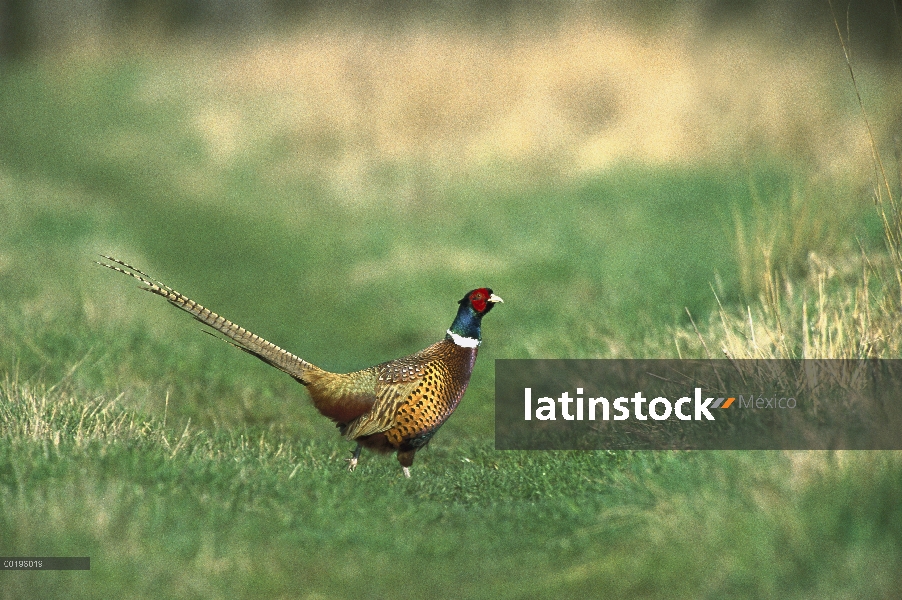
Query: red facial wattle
(479, 298)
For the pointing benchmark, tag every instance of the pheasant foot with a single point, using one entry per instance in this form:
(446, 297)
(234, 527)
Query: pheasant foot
(352, 462)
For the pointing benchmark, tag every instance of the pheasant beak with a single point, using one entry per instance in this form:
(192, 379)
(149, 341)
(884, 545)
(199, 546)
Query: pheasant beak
(494, 298)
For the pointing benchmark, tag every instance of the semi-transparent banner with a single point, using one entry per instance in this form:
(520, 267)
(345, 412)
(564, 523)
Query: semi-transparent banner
(698, 404)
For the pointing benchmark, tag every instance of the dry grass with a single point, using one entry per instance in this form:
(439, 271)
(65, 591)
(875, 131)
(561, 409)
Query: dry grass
(841, 307)
(844, 308)
(344, 103)
(835, 312)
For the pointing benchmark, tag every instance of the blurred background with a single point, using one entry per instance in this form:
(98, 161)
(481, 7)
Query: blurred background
(651, 179)
(336, 175)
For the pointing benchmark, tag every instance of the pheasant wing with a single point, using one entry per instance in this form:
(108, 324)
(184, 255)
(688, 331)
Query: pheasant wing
(390, 395)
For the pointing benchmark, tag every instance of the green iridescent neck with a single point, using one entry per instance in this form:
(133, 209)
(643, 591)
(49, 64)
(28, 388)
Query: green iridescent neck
(467, 323)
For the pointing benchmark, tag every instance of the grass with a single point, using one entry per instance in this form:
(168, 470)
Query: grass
(248, 513)
(186, 469)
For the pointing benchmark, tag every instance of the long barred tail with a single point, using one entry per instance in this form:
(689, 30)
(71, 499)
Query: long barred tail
(239, 336)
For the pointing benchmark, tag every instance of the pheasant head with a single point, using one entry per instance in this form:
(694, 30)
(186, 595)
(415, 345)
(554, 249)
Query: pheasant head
(466, 328)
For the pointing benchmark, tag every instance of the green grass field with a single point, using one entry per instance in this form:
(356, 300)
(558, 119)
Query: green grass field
(186, 469)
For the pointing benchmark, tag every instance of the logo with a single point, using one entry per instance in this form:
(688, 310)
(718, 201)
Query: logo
(658, 409)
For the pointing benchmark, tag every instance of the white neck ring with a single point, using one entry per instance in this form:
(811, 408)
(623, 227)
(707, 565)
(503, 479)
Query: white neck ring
(464, 342)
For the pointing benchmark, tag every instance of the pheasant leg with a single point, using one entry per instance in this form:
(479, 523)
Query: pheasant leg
(352, 462)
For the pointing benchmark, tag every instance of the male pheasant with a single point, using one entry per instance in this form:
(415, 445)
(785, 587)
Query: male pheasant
(394, 406)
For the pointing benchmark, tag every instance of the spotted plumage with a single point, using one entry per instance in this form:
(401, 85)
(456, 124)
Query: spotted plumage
(394, 406)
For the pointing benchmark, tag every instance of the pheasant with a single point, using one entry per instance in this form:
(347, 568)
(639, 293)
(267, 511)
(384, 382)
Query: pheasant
(394, 406)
